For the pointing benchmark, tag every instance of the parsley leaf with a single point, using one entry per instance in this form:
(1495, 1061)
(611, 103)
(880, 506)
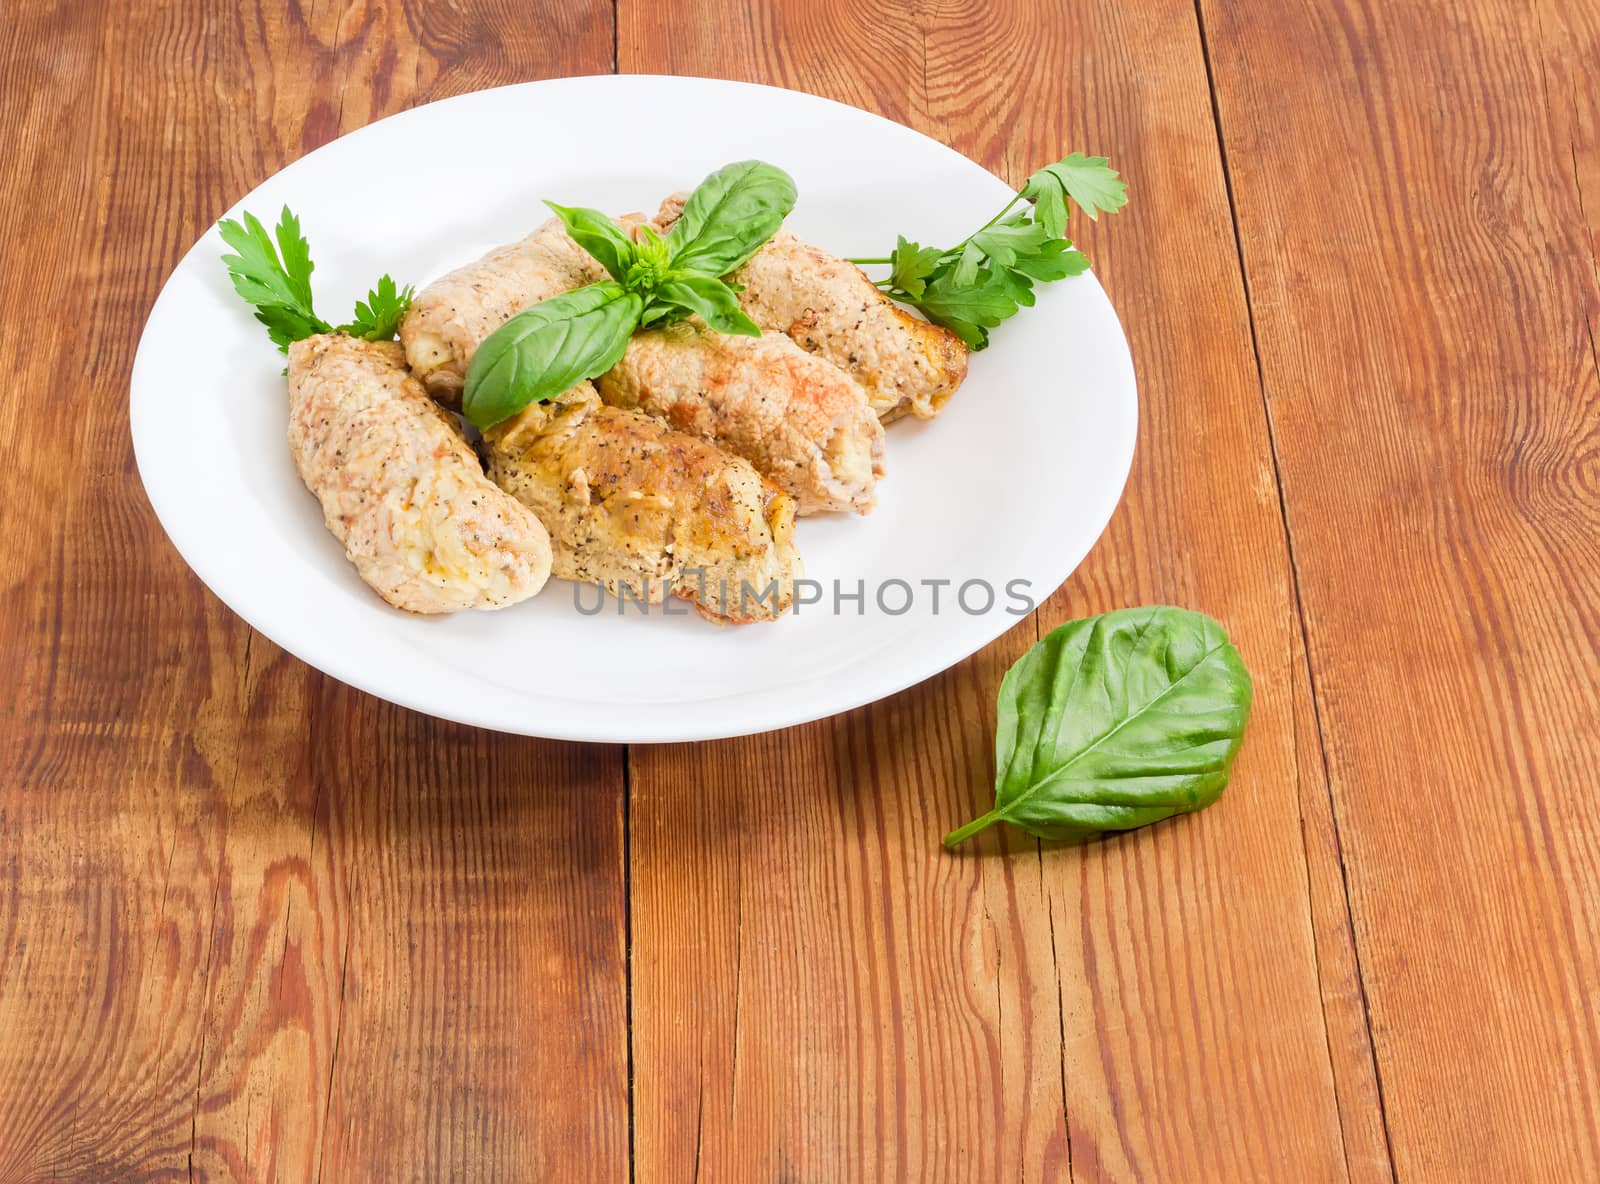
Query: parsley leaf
(288, 325)
(1055, 260)
(378, 317)
(275, 278)
(971, 309)
(296, 254)
(968, 264)
(280, 289)
(912, 266)
(1014, 238)
(1091, 183)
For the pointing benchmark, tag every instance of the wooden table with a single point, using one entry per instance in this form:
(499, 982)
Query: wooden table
(255, 925)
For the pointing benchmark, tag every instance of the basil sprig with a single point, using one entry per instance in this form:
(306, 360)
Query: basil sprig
(1116, 721)
(556, 343)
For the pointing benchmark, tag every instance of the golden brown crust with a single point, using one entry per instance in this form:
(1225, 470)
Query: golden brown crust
(399, 486)
(830, 308)
(802, 422)
(635, 506)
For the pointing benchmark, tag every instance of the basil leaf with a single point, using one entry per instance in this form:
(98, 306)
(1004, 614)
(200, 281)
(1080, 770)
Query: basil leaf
(547, 349)
(730, 216)
(1114, 722)
(598, 235)
(658, 315)
(712, 300)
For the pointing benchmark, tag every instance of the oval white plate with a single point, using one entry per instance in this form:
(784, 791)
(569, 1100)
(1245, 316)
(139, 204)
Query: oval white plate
(1014, 482)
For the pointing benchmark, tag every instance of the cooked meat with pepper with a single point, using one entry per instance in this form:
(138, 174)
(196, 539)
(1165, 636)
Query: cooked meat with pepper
(803, 423)
(400, 487)
(800, 421)
(450, 318)
(642, 509)
(831, 309)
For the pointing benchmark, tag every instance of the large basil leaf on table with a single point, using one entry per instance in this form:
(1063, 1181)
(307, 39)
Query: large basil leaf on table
(1116, 721)
(547, 349)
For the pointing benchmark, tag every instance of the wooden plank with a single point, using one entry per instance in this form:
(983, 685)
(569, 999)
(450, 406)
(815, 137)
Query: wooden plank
(817, 995)
(1417, 186)
(818, 992)
(254, 925)
(1213, 1018)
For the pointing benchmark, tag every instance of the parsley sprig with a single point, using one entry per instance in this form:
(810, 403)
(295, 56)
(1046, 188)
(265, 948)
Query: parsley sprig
(378, 316)
(986, 277)
(274, 277)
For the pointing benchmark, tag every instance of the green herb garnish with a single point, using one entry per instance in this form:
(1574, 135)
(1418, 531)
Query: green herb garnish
(544, 350)
(730, 216)
(548, 349)
(276, 281)
(982, 280)
(279, 289)
(378, 316)
(1114, 722)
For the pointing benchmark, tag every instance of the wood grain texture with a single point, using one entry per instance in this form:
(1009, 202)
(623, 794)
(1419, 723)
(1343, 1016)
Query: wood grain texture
(257, 926)
(1416, 187)
(830, 997)
(825, 997)
(1200, 985)
(254, 925)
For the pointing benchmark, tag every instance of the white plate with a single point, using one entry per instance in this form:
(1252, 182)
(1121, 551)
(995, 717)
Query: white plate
(1015, 480)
